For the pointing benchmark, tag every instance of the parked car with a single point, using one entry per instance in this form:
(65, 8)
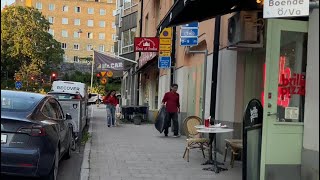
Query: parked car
(93, 98)
(35, 134)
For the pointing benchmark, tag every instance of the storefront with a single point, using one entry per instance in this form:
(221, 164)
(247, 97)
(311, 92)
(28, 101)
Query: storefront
(277, 74)
(149, 82)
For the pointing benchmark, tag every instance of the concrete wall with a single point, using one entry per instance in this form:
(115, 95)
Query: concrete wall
(310, 153)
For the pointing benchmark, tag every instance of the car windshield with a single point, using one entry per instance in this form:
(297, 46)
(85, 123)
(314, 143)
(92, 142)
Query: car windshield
(65, 96)
(14, 102)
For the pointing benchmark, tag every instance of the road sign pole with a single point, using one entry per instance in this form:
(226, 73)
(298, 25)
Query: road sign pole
(92, 64)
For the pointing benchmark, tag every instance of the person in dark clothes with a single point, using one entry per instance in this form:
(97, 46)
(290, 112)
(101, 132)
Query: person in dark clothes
(171, 101)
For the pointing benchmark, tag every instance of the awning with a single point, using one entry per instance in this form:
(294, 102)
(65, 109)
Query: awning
(146, 60)
(185, 11)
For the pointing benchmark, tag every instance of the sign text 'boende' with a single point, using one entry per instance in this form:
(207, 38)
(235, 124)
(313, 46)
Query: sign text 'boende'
(285, 8)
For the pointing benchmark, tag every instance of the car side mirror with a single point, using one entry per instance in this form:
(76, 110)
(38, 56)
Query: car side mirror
(68, 116)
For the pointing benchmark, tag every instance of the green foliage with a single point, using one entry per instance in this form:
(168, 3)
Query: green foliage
(26, 45)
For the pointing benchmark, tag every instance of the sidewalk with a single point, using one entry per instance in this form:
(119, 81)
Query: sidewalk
(131, 152)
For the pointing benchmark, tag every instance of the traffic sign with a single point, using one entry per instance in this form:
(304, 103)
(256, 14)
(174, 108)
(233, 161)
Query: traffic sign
(189, 41)
(103, 80)
(109, 74)
(166, 33)
(189, 34)
(164, 62)
(165, 41)
(18, 84)
(164, 47)
(103, 73)
(164, 53)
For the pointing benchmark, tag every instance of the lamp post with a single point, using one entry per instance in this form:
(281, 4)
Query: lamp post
(92, 64)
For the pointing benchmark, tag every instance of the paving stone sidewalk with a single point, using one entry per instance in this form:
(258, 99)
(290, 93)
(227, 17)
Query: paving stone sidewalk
(140, 152)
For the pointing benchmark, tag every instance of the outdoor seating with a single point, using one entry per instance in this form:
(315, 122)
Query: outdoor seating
(194, 139)
(235, 145)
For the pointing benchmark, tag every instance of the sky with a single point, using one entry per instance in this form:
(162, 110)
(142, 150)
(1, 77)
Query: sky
(4, 2)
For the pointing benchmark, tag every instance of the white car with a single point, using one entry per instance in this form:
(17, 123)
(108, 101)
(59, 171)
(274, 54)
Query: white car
(94, 98)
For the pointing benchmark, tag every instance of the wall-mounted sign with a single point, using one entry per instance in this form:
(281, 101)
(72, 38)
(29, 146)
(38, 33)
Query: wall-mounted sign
(285, 8)
(165, 44)
(189, 34)
(146, 44)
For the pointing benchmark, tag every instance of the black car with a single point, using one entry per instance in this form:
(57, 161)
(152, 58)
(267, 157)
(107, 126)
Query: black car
(35, 134)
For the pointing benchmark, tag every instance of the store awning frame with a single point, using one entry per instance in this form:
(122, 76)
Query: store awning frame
(186, 11)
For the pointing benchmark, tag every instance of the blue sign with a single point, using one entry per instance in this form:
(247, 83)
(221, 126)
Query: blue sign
(189, 34)
(18, 84)
(164, 62)
(189, 41)
(193, 24)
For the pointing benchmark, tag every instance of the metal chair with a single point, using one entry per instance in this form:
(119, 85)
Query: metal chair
(194, 140)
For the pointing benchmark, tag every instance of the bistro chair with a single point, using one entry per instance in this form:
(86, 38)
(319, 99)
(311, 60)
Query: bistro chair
(194, 139)
(235, 145)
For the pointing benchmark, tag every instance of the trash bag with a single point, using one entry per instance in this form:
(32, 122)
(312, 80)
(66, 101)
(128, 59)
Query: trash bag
(161, 119)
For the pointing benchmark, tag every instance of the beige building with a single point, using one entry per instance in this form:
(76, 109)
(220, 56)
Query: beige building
(80, 25)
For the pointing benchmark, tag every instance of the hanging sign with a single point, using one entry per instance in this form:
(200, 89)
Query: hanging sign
(285, 8)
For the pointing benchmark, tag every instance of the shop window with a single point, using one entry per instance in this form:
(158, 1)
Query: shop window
(291, 77)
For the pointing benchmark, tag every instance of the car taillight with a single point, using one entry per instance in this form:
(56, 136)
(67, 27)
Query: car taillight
(33, 131)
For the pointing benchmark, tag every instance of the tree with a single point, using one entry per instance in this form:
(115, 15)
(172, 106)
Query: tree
(26, 45)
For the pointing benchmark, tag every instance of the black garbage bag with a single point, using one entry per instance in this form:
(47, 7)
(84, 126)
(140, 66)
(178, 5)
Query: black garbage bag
(161, 119)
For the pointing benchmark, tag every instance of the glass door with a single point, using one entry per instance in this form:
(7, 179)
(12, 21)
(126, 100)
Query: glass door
(286, 60)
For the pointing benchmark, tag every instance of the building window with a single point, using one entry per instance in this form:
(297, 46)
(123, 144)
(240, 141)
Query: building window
(64, 45)
(77, 9)
(89, 47)
(64, 20)
(64, 33)
(113, 25)
(51, 7)
(51, 19)
(39, 5)
(76, 34)
(112, 49)
(65, 8)
(51, 31)
(114, 37)
(102, 23)
(102, 36)
(76, 46)
(90, 23)
(65, 58)
(109, 1)
(101, 48)
(75, 59)
(127, 40)
(129, 6)
(90, 35)
(77, 22)
(90, 10)
(103, 12)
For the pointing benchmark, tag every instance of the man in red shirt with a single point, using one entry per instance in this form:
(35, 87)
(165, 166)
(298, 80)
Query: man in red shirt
(171, 101)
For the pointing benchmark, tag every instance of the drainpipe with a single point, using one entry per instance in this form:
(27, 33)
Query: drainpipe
(215, 64)
(314, 5)
(173, 57)
(138, 74)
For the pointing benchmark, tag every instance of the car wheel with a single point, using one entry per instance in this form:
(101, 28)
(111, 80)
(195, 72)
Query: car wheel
(54, 171)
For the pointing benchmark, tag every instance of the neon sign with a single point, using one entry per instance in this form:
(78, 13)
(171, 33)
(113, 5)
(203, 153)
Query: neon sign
(288, 83)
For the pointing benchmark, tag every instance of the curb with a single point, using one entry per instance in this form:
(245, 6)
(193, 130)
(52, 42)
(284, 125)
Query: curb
(85, 166)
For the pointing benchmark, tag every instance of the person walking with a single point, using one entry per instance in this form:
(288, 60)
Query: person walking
(172, 103)
(111, 102)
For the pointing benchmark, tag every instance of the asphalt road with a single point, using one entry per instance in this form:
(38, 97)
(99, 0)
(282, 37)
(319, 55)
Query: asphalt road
(68, 169)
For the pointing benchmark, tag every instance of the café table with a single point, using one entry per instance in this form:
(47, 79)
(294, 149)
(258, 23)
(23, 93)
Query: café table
(212, 131)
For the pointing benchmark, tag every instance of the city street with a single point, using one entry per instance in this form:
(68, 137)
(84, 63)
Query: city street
(139, 152)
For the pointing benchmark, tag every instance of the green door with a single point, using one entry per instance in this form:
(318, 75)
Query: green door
(282, 133)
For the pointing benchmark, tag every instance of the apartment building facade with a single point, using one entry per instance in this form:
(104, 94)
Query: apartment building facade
(80, 26)
(126, 17)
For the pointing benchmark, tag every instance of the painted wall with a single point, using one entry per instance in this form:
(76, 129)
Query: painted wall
(310, 153)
